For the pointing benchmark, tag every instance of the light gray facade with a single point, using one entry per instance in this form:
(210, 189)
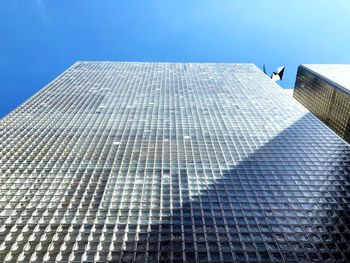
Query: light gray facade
(170, 162)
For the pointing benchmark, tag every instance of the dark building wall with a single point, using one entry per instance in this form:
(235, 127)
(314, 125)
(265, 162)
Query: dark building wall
(325, 100)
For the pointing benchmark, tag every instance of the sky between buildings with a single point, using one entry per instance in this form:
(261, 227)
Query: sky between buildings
(40, 39)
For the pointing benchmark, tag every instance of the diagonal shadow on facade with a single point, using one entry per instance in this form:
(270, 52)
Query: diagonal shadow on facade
(96, 187)
(287, 202)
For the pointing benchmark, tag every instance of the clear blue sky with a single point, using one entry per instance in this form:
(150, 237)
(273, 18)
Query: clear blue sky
(40, 39)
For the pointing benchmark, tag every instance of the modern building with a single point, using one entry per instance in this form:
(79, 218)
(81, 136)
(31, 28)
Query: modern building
(325, 91)
(289, 92)
(170, 162)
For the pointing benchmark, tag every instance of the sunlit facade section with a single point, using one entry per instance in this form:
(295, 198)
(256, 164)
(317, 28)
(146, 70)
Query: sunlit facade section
(325, 91)
(170, 162)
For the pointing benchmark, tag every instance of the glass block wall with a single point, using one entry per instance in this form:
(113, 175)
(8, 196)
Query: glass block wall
(327, 99)
(170, 162)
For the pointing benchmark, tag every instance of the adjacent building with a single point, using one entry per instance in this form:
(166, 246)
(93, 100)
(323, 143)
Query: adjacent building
(170, 162)
(325, 91)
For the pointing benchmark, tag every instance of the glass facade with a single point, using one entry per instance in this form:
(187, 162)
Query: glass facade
(324, 90)
(170, 162)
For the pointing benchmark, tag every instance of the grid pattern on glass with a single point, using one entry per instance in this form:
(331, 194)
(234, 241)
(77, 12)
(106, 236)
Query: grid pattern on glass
(170, 162)
(337, 74)
(329, 103)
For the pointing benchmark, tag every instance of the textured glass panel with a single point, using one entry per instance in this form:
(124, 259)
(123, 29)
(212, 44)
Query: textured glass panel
(170, 162)
(325, 91)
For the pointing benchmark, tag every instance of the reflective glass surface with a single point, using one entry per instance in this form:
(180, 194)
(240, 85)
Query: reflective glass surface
(317, 88)
(170, 162)
(338, 74)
